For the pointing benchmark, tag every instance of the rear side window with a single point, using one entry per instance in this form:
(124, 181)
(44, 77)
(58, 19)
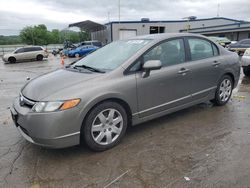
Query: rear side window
(171, 52)
(32, 49)
(245, 42)
(200, 49)
(99, 44)
(36, 48)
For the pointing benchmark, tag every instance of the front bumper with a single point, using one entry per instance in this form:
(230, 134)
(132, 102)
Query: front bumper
(54, 130)
(4, 59)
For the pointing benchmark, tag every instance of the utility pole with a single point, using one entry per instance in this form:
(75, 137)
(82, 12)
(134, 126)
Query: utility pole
(218, 10)
(119, 10)
(108, 16)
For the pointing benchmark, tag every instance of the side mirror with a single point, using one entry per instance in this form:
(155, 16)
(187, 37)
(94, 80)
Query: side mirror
(151, 65)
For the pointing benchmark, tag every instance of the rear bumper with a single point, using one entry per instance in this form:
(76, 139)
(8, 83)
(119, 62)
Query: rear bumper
(53, 130)
(245, 61)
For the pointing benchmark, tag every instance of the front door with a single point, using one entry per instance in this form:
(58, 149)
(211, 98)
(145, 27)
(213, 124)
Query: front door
(167, 87)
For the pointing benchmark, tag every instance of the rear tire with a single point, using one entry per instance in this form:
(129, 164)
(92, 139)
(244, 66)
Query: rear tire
(39, 57)
(246, 70)
(12, 59)
(223, 91)
(104, 126)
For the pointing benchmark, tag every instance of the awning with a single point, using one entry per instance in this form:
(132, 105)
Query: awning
(88, 26)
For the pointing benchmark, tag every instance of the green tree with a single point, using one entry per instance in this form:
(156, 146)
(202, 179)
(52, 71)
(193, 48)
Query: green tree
(27, 35)
(7, 40)
(37, 35)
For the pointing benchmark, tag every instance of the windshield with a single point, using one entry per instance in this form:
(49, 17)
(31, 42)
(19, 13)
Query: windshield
(112, 55)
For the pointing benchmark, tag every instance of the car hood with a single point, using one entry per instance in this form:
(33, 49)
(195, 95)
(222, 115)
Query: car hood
(48, 84)
(7, 55)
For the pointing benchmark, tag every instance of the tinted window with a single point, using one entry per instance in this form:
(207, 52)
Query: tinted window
(36, 48)
(97, 44)
(200, 49)
(21, 50)
(169, 53)
(245, 42)
(28, 49)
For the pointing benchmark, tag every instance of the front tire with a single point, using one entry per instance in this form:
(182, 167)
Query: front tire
(39, 58)
(223, 91)
(104, 126)
(246, 70)
(12, 60)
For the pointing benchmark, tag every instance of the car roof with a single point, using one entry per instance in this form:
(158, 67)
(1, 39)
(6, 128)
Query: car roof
(163, 36)
(31, 47)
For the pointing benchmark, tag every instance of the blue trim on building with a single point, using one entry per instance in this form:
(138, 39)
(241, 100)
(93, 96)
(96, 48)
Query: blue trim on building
(240, 28)
(172, 21)
(242, 23)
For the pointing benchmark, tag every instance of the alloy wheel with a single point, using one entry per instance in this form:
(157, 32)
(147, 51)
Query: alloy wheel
(107, 126)
(225, 90)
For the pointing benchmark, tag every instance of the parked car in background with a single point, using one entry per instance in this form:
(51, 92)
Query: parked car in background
(245, 62)
(126, 82)
(223, 41)
(81, 51)
(91, 43)
(26, 53)
(240, 47)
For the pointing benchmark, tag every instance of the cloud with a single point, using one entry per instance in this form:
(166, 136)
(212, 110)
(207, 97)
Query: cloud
(16, 14)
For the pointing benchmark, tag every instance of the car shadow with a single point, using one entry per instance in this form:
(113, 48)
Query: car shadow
(26, 61)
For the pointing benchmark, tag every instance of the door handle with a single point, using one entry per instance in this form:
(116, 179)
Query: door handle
(183, 71)
(216, 63)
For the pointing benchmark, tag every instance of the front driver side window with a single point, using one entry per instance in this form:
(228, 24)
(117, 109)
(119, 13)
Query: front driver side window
(171, 52)
(21, 50)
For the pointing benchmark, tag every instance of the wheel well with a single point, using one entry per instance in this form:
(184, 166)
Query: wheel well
(11, 57)
(119, 101)
(39, 55)
(232, 76)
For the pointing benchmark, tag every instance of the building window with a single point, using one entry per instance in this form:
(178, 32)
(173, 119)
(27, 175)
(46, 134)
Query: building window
(156, 29)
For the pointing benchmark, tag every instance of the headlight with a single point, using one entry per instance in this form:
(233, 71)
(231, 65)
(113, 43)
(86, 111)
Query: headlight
(55, 105)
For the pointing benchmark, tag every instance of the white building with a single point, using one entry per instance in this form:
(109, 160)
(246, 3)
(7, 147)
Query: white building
(217, 26)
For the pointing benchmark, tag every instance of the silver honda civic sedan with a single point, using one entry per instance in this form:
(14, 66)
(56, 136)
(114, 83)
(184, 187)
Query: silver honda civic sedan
(126, 82)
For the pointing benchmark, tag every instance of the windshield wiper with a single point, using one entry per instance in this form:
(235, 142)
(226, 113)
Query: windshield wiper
(89, 68)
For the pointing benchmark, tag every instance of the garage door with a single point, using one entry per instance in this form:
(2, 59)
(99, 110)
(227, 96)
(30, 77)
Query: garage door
(125, 34)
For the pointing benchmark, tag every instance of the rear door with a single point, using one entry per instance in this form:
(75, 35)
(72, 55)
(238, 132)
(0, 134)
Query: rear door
(205, 66)
(29, 53)
(168, 87)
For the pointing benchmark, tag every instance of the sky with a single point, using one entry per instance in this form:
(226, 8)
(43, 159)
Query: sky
(57, 14)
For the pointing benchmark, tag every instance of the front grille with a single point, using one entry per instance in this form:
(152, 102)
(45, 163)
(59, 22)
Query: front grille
(25, 101)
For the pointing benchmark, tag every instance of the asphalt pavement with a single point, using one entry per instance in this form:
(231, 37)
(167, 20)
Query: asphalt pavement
(202, 146)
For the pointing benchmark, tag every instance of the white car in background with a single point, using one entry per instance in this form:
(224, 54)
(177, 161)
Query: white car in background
(26, 53)
(245, 62)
